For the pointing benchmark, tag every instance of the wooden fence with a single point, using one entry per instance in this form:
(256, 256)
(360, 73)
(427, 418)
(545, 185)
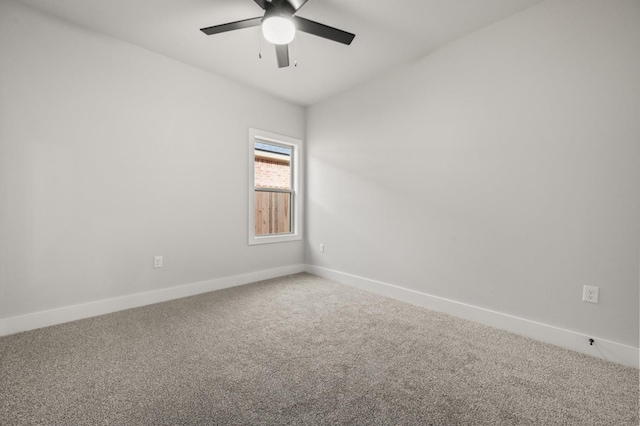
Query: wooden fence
(272, 212)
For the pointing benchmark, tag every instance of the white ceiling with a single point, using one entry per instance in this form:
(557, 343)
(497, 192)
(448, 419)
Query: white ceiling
(388, 33)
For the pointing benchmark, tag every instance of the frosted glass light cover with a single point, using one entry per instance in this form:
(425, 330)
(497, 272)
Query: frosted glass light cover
(278, 30)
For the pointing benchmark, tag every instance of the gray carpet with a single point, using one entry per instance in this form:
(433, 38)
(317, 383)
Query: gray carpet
(301, 350)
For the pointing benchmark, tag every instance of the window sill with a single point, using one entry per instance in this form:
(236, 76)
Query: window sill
(268, 239)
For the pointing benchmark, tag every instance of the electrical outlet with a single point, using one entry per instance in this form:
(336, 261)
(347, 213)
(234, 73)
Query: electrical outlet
(321, 248)
(590, 294)
(157, 262)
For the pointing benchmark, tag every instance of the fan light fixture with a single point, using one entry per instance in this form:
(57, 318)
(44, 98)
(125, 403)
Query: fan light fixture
(280, 23)
(278, 30)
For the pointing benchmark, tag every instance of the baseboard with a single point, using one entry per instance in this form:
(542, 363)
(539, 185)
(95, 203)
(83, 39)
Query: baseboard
(86, 310)
(602, 348)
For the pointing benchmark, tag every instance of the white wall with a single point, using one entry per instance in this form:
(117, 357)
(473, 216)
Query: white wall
(111, 154)
(502, 171)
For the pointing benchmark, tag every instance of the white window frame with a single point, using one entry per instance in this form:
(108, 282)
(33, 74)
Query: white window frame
(256, 135)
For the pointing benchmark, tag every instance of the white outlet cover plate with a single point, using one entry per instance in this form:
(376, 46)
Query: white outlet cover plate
(590, 294)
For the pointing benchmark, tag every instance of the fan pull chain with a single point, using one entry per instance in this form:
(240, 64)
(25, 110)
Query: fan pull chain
(295, 52)
(260, 51)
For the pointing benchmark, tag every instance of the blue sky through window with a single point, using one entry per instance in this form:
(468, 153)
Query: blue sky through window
(272, 148)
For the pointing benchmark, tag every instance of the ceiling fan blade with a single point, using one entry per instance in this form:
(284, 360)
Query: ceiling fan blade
(322, 30)
(297, 4)
(282, 53)
(262, 3)
(246, 23)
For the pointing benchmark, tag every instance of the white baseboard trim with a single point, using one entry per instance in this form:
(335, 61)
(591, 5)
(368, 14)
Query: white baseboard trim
(41, 319)
(602, 348)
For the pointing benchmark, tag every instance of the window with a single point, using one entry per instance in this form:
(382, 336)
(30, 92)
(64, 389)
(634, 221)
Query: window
(275, 205)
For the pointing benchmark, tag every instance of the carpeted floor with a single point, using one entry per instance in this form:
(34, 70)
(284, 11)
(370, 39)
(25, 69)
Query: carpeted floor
(301, 350)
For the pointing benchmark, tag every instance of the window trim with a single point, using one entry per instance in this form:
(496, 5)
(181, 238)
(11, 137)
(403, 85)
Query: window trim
(297, 214)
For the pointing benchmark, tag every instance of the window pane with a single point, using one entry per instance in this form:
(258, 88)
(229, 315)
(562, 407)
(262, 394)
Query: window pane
(272, 166)
(272, 212)
(275, 179)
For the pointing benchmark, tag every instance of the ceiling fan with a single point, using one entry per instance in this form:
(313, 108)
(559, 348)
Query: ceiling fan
(279, 26)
